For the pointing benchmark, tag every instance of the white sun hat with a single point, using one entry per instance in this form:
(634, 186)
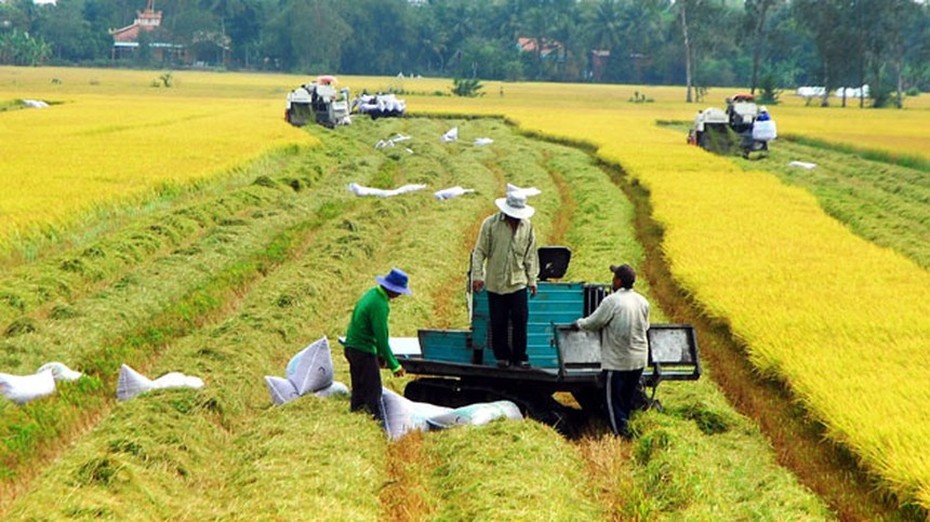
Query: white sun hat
(514, 205)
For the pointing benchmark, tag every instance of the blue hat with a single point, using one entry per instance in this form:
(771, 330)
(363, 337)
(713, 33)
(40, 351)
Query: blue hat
(396, 281)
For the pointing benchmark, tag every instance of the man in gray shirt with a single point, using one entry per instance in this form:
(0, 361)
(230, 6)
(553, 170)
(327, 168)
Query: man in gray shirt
(623, 319)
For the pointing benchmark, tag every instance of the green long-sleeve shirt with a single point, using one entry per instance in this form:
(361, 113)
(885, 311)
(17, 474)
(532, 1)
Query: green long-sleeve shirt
(512, 261)
(368, 328)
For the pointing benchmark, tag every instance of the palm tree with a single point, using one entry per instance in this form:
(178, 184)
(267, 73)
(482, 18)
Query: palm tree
(683, 17)
(604, 25)
(640, 23)
(224, 10)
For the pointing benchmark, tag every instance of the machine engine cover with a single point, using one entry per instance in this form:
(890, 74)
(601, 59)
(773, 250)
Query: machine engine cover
(553, 262)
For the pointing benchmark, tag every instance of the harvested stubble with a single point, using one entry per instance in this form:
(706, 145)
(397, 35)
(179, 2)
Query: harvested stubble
(131, 315)
(224, 452)
(257, 334)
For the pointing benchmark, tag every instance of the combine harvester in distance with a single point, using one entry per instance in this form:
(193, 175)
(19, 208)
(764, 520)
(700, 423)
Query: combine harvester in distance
(318, 102)
(742, 127)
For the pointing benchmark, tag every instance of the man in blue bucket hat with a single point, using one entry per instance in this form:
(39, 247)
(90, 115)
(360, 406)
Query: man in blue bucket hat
(366, 343)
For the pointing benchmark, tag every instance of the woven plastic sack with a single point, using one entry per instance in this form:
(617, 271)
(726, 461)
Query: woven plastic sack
(312, 368)
(282, 390)
(764, 130)
(401, 415)
(60, 371)
(131, 383)
(450, 135)
(477, 414)
(24, 388)
(333, 390)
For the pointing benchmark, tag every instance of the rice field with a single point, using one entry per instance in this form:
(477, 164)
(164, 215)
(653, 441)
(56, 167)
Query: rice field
(85, 158)
(844, 323)
(827, 312)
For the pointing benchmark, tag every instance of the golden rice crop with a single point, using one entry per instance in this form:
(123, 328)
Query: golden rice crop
(845, 323)
(92, 151)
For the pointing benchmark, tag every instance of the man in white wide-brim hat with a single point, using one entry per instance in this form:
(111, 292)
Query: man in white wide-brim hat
(505, 263)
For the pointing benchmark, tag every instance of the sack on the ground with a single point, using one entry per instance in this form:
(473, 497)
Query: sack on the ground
(312, 367)
(60, 371)
(476, 414)
(450, 135)
(401, 415)
(334, 389)
(281, 390)
(131, 383)
(24, 388)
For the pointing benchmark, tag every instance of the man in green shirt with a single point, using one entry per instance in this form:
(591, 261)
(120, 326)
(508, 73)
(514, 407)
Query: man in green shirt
(507, 242)
(367, 342)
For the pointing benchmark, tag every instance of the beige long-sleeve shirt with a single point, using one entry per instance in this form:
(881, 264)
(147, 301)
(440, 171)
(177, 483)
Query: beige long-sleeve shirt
(512, 260)
(623, 318)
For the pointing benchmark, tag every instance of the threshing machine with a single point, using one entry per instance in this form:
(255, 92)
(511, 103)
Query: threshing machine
(457, 367)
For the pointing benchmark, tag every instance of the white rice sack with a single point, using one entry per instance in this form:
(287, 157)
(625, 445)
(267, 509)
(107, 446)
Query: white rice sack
(427, 410)
(177, 380)
(291, 367)
(314, 369)
(60, 371)
(360, 190)
(528, 191)
(132, 383)
(802, 164)
(281, 390)
(24, 388)
(450, 135)
(401, 415)
(477, 414)
(451, 192)
(335, 389)
(764, 130)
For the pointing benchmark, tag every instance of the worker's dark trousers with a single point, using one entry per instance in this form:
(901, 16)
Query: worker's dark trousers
(508, 309)
(620, 388)
(366, 383)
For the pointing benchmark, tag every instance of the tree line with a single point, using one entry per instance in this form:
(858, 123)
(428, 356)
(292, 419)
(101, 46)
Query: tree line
(761, 44)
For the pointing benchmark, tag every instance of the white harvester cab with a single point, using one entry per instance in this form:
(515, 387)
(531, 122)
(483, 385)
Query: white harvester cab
(742, 111)
(320, 102)
(710, 116)
(298, 107)
(732, 129)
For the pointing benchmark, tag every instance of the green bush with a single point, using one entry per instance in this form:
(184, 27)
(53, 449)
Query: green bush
(467, 87)
(768, 90)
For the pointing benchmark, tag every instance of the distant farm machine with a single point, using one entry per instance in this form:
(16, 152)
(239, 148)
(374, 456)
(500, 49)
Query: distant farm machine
(457, 367)
(743, 126)
(319, 102)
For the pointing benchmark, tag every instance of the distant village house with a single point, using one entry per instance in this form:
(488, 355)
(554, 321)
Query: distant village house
(126, 40)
